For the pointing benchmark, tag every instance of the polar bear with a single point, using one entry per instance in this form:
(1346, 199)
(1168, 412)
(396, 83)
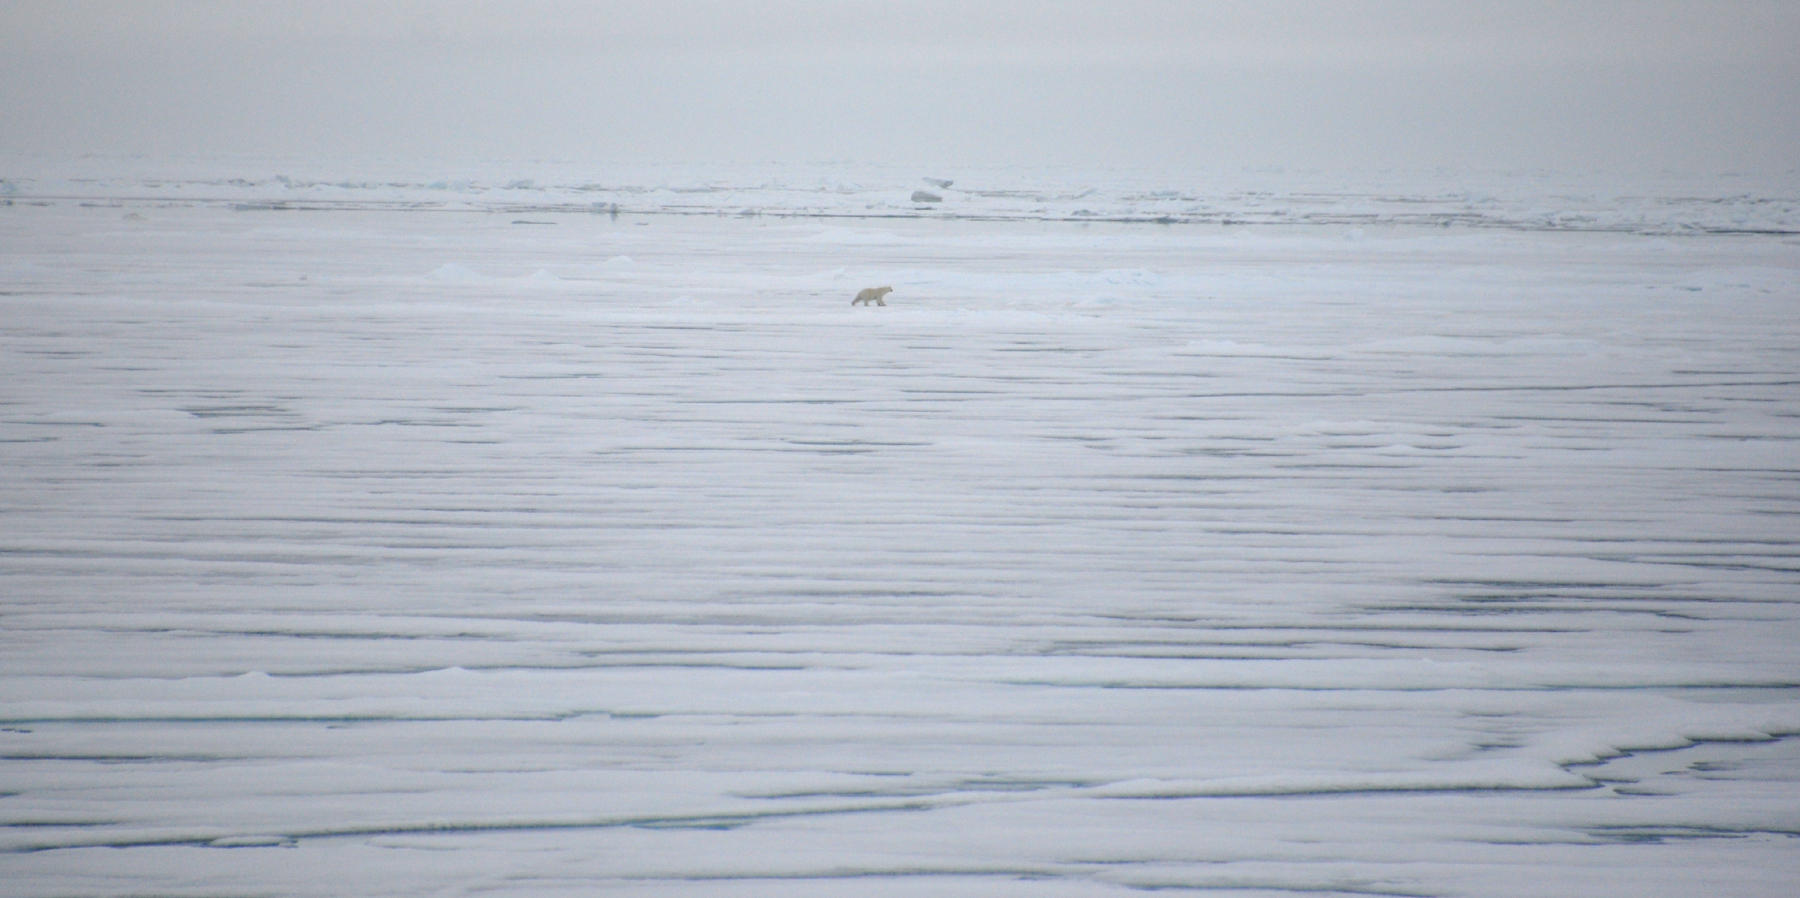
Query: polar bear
(871, 295)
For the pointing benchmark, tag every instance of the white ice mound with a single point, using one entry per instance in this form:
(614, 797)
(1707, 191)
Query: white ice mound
(1128, 276)
(855, 236)
(1232, 348)
(452, 272)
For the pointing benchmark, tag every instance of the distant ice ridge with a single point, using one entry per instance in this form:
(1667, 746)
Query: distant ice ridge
(1348, 202)
(452, 272)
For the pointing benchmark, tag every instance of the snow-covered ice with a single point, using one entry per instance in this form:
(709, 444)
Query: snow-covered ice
(534, 531)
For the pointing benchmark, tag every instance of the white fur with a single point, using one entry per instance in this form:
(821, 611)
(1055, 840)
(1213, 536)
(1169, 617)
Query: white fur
(871, 295)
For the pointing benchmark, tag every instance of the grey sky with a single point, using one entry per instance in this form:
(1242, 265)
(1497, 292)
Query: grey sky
(1308, 83)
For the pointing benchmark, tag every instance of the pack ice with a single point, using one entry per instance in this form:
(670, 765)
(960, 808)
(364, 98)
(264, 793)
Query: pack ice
(358, 540)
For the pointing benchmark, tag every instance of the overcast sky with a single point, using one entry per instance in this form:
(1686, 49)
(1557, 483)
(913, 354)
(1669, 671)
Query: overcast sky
(1570, 85)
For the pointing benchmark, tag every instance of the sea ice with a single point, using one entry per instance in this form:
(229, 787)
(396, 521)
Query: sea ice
(1225, 554)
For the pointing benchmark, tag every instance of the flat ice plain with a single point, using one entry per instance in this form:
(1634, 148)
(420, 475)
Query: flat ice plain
(540, 530)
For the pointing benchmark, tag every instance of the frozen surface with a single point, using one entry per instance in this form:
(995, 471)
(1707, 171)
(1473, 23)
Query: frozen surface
(434, 534)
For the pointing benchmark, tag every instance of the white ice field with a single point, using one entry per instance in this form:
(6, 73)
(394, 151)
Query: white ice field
(540, 530)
